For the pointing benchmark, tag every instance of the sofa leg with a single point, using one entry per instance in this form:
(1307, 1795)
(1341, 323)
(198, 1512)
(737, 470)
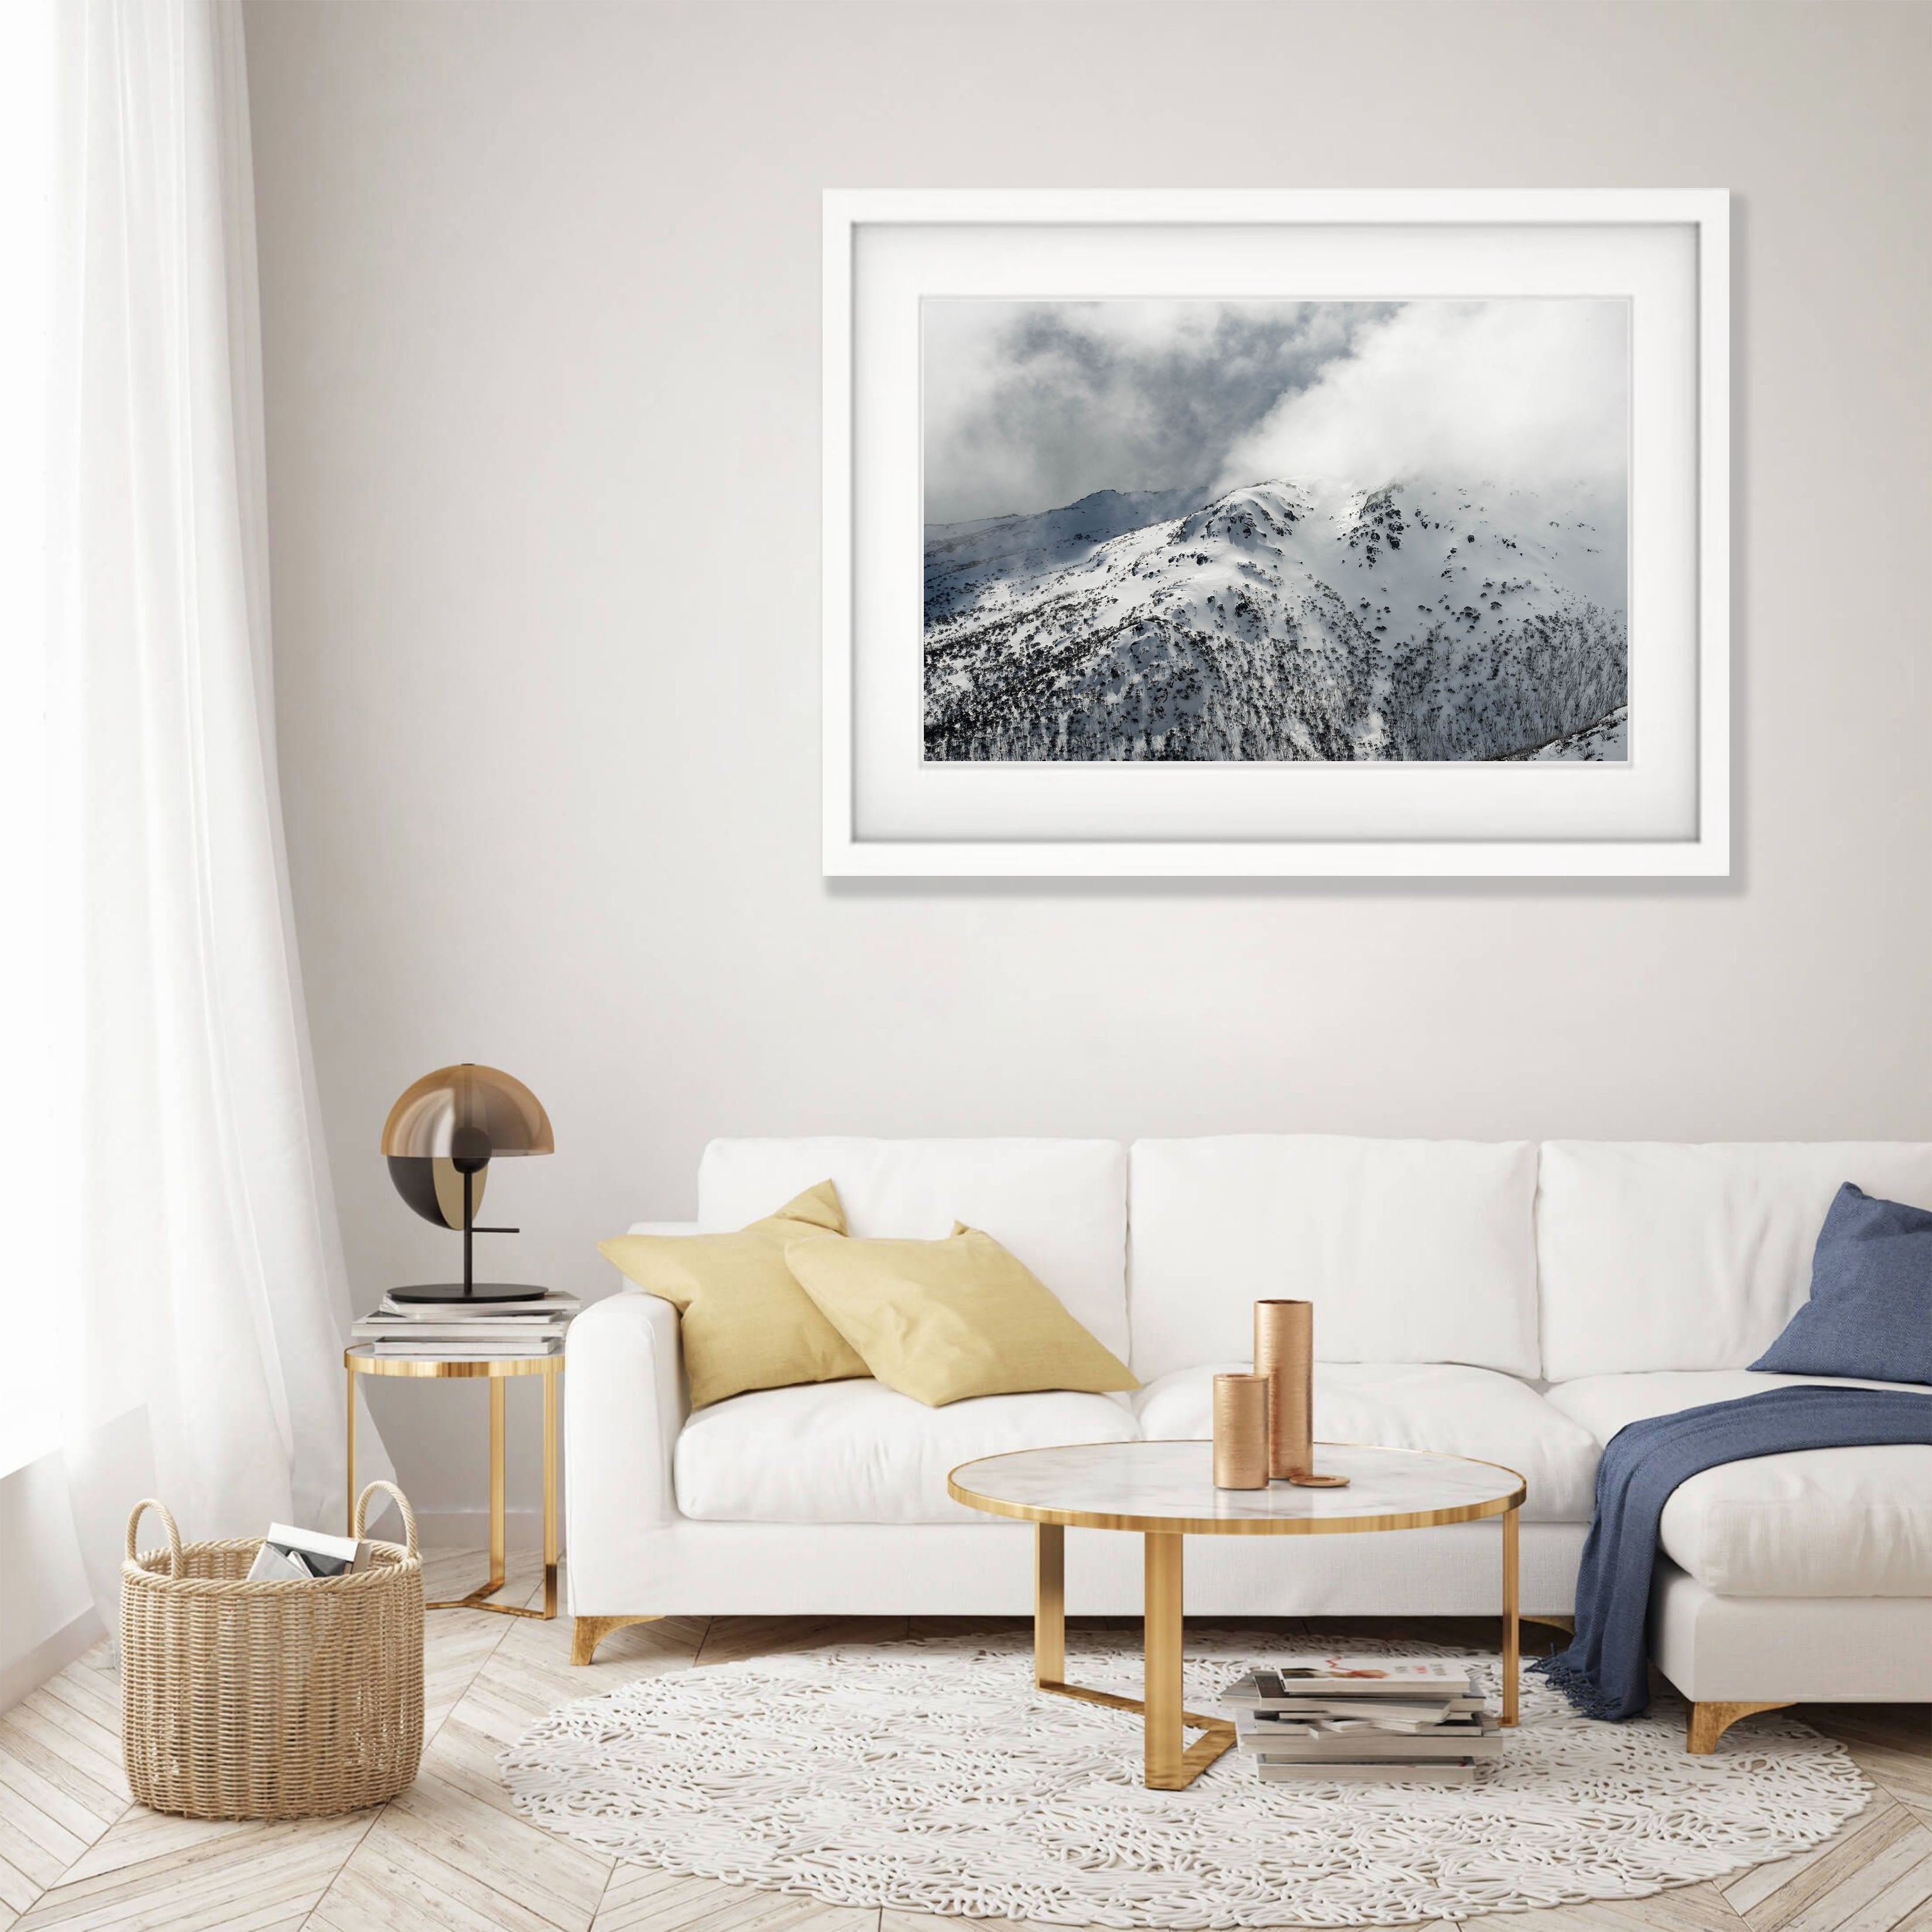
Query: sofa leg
(590, 1632)
(1709, 1722)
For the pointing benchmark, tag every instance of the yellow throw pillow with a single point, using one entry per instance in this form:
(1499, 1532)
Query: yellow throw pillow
(941, 1321)
(745, 1322)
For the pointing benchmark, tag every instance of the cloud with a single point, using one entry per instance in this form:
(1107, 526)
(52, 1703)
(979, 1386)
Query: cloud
(1530, 393)
(1030, 405)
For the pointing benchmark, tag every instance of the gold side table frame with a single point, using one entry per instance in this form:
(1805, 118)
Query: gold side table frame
(1172, 1763)
(363, 1361)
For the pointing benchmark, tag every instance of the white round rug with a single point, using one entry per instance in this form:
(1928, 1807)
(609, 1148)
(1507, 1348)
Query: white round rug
(931, 1776)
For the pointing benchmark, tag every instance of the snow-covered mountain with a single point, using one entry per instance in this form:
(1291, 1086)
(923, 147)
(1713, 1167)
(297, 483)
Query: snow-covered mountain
(1605, 742)
(1280, 621)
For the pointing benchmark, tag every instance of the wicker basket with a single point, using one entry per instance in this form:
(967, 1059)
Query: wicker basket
(269, 1700)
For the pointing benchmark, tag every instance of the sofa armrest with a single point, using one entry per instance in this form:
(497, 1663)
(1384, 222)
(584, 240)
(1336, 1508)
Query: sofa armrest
(625, 1406)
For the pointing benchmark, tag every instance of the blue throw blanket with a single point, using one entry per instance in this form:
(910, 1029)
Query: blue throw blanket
(1604, 1672)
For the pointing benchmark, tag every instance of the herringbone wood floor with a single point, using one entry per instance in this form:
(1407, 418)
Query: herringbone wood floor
(451, 1852)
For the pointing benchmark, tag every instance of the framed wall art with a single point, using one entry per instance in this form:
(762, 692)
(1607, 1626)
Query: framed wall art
(1262, 532)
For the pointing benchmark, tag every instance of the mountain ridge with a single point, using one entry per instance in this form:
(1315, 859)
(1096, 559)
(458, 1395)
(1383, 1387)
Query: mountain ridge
(1277, 621)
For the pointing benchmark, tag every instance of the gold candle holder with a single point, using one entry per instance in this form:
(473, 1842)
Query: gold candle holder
(1240, 1432)
(1285, 1355)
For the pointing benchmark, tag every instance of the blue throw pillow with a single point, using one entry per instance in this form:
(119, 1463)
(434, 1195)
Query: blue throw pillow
(1871, 1310)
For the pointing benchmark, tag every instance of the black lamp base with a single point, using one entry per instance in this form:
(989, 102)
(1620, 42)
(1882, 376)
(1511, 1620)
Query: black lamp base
(454, 1292)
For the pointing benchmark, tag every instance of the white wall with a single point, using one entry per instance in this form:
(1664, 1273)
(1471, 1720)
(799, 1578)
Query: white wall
(47, 1614)
(540, 290)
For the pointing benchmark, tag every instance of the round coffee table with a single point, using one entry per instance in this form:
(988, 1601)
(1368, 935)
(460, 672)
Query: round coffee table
(1165, 1490)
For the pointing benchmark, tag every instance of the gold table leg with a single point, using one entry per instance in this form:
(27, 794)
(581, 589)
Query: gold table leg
(1512, 1629)
(550, 1496)
(498, 1507)
(1168, 1766)
(499, 1493)
(1049, 1606)
(349, 1500)
(1160, 1649)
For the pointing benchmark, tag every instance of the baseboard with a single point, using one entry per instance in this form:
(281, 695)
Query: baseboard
(52, 1655)
(469, 1528)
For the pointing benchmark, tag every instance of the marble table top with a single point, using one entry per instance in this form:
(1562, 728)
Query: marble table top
(1169, 1487)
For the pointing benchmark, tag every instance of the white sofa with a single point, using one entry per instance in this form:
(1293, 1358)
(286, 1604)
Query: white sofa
(1506, 1300)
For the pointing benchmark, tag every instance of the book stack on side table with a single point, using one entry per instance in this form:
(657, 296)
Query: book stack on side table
(1415, 1720)
(476, 1332)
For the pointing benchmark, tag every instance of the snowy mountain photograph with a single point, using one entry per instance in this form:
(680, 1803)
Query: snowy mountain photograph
(1255, 531)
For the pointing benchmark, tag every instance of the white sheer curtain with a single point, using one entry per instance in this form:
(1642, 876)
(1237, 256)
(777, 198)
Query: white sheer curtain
(28, 1415)
(205, 1277)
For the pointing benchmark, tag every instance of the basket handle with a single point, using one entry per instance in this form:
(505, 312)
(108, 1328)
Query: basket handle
(167, 1523)
(402, 1503)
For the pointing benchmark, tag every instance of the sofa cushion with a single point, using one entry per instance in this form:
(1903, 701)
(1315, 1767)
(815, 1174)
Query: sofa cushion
(1870, 1308)
(1059, 1205)
(1412, 1251)
(1655, 1256)
(743, 1320)
(1812, 1523)
(1405, 1405)
(859, 1452)
(944, 1321)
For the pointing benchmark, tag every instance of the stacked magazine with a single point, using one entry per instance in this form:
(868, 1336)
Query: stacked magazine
(290, 1555)
(1403, 1721)
(469, 1331)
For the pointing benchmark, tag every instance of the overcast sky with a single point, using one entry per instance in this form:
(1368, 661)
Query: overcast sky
(1031, 405)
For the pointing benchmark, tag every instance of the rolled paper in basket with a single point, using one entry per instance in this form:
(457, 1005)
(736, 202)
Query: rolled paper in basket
(1240, 1432)
(1285, 1355)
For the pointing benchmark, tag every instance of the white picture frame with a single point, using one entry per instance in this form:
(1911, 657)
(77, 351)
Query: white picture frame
(1665, 812)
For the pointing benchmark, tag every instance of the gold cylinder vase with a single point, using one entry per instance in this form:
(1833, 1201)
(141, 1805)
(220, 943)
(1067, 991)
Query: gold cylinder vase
(1285, 1355)
(1240, 1432)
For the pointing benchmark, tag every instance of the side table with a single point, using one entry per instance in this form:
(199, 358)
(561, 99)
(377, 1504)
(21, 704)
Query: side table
(363, 1360)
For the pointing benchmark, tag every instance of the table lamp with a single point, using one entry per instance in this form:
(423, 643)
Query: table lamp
(439, 1140)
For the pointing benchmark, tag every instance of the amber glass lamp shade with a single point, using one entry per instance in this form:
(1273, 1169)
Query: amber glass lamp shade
(467, 1112)
(440, 1138)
